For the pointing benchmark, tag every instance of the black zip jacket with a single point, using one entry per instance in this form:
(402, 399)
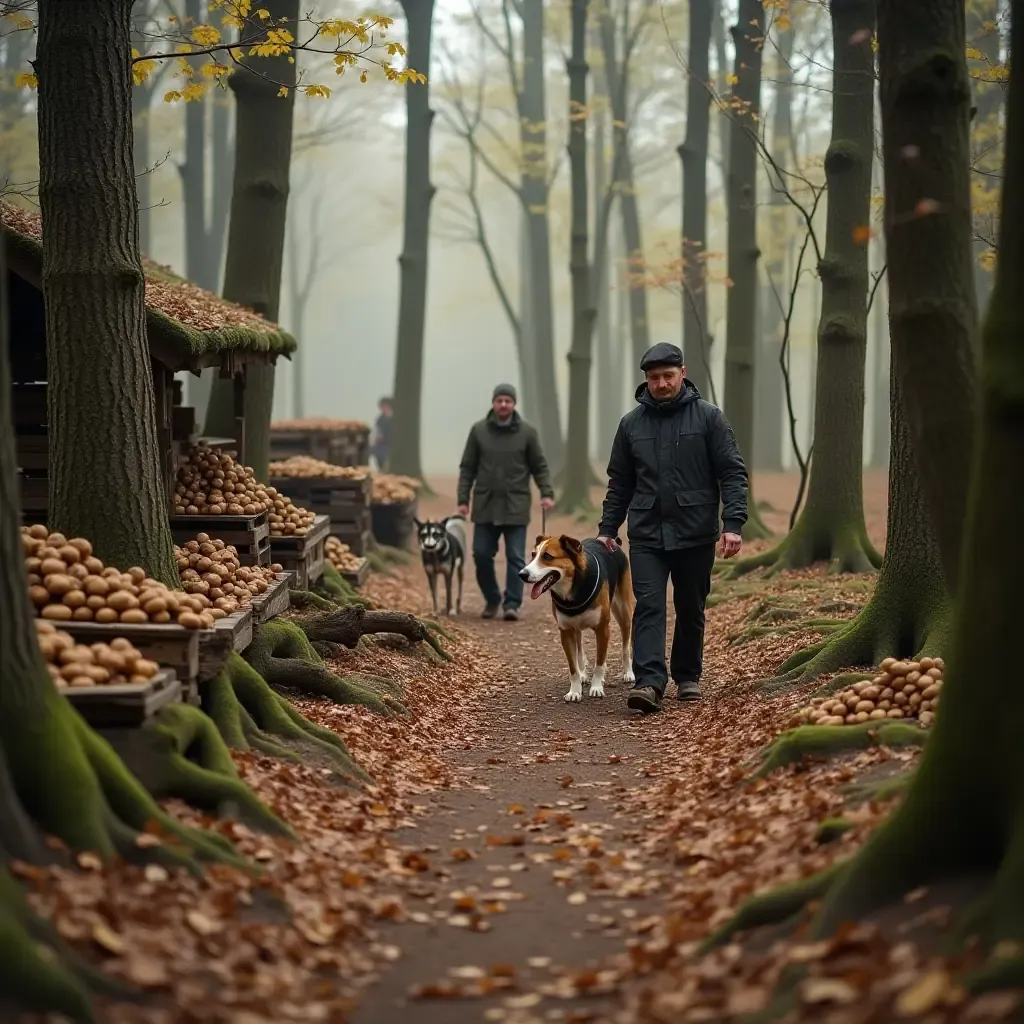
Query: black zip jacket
(672, 464)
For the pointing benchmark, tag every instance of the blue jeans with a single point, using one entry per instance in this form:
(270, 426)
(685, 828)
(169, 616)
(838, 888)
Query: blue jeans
(485, 546)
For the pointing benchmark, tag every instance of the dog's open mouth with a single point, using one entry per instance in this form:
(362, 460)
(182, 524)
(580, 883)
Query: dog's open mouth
(544, 585)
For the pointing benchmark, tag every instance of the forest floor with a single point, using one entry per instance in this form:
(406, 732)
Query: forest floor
(522, 859)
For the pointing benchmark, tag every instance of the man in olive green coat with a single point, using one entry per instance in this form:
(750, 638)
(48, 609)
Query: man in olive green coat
(502, 453)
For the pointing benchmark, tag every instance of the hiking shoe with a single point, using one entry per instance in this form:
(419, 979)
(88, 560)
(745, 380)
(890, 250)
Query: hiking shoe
(490, 612)
(645, 699)
(688, 691)
(511, 615)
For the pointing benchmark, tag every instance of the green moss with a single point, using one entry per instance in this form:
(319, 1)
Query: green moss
(831, 829)
(829, 740)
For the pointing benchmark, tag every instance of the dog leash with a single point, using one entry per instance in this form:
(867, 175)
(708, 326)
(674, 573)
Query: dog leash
(543, 521)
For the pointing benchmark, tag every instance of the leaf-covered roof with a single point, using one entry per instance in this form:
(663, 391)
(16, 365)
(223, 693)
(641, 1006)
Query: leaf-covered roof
(187, 326)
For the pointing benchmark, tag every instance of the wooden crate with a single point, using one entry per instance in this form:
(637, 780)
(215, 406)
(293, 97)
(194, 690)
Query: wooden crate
(232, 633)
(393, 523)
(338, 447)
(321, 494)
(128, 705)
(358, 576)
(303, 555)
(274, 601)
(167, 644)
(249, 535)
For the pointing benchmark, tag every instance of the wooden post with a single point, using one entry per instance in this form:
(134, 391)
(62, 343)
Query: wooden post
(239, 396)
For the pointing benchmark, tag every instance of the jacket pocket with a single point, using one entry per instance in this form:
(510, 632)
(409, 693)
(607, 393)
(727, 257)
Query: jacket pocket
(640, 519)
(697, 512)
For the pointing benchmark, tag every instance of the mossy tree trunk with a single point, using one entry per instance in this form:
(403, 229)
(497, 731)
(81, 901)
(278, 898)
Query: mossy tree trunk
(744, 113)
(693, 155)
(405, 455)
(983, 35)
(718, 14)
(531, 102)
(831, 525)
(577, 465)
(925, 99)
(105, 466)
(964, 811)
(769, 396)
(256, 232)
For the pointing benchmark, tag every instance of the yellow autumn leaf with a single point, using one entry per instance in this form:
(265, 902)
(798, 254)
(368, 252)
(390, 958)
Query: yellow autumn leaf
(194, 91)
(782, 23)
(283, 91)
(26, 80)
(317, 90)
(172, 97)
(973, 54)
(205, 35)
(215, 71)
(731, 79)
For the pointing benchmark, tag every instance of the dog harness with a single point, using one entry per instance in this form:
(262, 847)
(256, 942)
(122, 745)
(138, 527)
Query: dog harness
(575, 607)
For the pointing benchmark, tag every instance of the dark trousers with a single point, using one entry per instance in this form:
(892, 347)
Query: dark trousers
(690, 572)
(485, 546)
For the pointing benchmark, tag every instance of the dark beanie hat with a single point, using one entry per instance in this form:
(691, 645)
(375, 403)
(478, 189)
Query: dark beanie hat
(505, 389)
(662, 354)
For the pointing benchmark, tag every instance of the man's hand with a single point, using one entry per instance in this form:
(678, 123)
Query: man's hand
(731, 544)
(463, 510)
(608, 542)
(547, 504)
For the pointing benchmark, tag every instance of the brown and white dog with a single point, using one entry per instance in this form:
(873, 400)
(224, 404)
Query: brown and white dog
(588, 585)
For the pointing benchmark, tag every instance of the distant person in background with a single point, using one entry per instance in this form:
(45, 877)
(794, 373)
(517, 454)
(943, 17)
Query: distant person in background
(502, 453)
(382, 433)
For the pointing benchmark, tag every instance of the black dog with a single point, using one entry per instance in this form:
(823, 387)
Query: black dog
(443, 549)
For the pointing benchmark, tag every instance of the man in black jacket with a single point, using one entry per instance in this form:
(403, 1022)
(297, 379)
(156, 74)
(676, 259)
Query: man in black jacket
(673, 459)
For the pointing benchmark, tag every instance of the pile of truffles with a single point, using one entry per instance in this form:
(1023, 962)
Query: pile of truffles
(211, 483)
(903, 689)
(305, 467)
(68, 583)
(389, 489)
(76, 666)
(341, 557)
(286, 518)
(319, 423)
(210, 569)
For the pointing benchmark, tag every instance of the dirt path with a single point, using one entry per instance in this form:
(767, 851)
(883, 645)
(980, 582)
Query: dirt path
(539, 787)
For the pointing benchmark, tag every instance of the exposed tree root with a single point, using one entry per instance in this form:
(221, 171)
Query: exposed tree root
(777, 906)
(755, 632)
(880, 791)
(755, 528)
(181, 754)
(829, 740)
(282, 654)
(251, 716)
(347, 625)
(807, 544)
(832, 829)
(844, 680)
(336, 588)
(890, 625)
(304, 600)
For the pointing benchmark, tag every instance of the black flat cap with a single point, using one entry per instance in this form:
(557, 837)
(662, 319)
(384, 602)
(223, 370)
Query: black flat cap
(662, 354)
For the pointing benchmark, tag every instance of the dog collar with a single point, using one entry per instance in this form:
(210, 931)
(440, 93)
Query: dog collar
(578, 606)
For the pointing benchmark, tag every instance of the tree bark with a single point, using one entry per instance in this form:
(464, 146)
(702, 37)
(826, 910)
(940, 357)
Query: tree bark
(831, 525)
(769, 399)
(718, 12)
(576, 492)
(535, 195)
(925, 99)
(693, 155)
(98, 363)
(743, 253)
(879, 321)
(609, 381)
(405, 456)
(960, 817)
(983, 35)
(259, 210)
(193, 177)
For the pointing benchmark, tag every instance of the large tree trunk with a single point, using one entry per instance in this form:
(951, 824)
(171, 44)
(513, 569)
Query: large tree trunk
(259, 210)
(926, 97)
(693, 154)
(983, 35)
(527, 340)
(577, 465)
(964, 812)
(741, 202)
(831, 526)
(769, 399)
(193, 177)
(405, 455)
(609, 381)
(718, 13)
(539, 326)
(105, 464)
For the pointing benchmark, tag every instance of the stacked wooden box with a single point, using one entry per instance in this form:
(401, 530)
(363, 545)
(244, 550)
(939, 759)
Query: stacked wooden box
(303, 555)
(31, 440)
(340, 446)
(345, 501)
(249, 535)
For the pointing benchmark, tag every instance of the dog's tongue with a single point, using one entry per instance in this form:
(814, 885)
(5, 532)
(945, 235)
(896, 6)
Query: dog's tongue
(538, 588)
